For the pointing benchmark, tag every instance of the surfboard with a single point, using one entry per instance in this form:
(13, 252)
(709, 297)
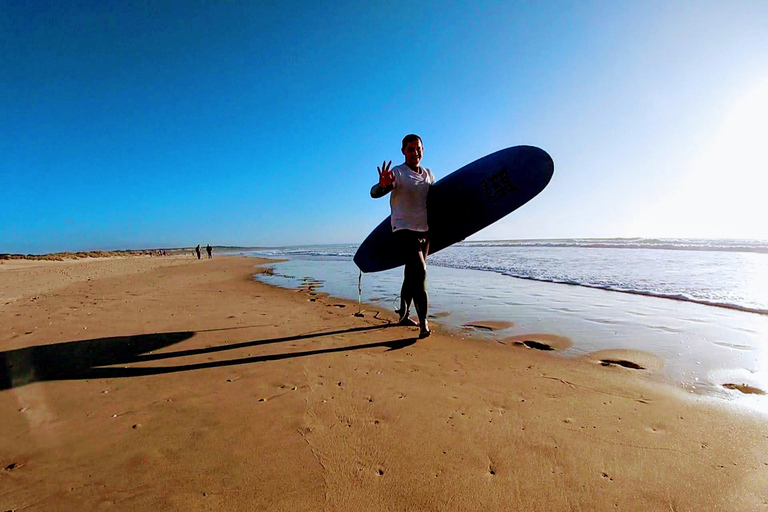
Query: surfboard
(466, 201)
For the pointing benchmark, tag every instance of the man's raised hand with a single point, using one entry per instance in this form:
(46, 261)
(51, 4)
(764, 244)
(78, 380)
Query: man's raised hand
(386, 177)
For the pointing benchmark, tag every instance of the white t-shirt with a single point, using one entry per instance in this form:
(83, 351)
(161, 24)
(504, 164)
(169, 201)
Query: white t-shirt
(409, 198)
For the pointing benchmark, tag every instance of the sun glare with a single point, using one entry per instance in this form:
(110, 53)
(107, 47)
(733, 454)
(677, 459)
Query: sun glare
(744, 135)
(724, 192)
(734, 172)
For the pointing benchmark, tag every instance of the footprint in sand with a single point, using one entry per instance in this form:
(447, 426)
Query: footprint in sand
(546, 342)
(621, 362)
(630, 359)
(744, 388)
(489, 325)
(535, 345)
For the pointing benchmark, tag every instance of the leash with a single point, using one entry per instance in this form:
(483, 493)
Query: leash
(360, 294)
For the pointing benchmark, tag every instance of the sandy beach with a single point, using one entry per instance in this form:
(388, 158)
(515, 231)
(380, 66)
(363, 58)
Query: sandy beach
(174, 383)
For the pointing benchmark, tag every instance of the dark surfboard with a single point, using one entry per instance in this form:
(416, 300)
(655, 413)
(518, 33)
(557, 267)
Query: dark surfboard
(466, 201)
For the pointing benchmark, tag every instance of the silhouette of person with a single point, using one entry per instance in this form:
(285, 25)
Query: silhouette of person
(209, 250)
(199, 252)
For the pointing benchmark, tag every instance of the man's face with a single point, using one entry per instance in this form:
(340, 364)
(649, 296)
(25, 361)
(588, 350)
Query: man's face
(413, 151)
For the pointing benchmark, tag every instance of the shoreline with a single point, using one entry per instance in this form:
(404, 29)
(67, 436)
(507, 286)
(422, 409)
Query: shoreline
(678, 298)
(192, 386)
(708, 352)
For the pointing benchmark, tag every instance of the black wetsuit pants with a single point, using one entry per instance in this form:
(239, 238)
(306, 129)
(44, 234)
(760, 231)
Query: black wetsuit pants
(415, 246)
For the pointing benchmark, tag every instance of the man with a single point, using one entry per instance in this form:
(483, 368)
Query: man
(409, 184)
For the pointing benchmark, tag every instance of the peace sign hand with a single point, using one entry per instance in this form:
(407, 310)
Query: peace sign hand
(386, 177)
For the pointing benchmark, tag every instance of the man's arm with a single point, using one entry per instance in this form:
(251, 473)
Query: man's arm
(378, 191)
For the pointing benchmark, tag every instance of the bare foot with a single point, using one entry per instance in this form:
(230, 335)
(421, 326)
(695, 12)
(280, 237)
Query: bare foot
(424, 332)
(404, 318)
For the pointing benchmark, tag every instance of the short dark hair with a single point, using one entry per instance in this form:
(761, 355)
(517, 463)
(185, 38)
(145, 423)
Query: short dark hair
(410, 138)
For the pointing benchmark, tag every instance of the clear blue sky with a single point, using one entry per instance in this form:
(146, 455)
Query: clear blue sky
(162, 124)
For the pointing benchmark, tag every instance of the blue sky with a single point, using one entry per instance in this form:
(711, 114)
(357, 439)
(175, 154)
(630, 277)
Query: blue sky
(161, 124)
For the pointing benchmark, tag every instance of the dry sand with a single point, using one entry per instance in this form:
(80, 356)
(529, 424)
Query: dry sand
(178, 384)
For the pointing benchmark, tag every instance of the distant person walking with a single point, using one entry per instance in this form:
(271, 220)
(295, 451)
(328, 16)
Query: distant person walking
(409, 184)
(199, 251)
(209, 250)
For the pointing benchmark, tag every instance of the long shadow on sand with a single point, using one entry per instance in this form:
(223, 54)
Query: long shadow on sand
(92, 359)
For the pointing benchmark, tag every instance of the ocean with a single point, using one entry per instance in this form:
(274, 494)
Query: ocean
(699, 306)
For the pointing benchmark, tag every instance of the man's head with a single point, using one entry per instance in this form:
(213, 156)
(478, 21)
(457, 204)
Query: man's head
(412, 149)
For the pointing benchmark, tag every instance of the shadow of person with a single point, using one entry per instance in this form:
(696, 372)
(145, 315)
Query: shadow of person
(92, 359)
(115, 372)
(76, 359)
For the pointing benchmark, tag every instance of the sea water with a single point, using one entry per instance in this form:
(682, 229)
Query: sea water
(701, 306)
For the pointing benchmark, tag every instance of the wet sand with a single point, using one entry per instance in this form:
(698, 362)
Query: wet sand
(705, 350)
(178, 384)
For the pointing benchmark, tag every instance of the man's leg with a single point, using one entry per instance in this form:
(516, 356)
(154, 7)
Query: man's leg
(419, 292)
(405, 300)
(405, 244)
